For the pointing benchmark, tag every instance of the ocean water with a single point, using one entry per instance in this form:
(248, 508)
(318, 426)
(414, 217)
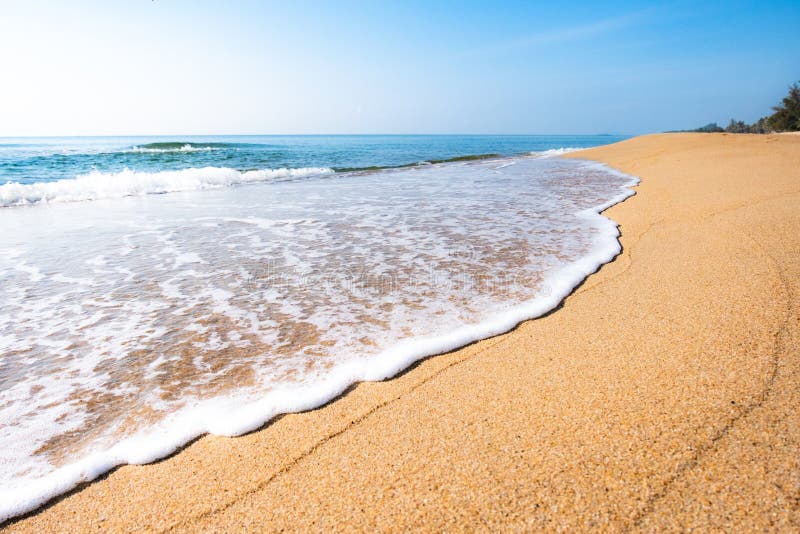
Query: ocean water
(152, 290)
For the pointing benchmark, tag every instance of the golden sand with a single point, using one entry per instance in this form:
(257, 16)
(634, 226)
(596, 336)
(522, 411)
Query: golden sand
(664, 393)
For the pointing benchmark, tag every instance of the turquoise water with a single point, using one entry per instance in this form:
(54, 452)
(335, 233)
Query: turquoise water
(268, 279)
(32, 160)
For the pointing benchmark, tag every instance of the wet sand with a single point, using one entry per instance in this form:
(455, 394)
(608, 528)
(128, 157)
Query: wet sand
(664, 393)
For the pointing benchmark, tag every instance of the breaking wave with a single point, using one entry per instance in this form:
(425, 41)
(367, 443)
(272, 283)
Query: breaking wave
(99, 185)
(553, 152)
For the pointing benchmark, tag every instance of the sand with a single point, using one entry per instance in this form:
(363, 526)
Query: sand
(664, 393)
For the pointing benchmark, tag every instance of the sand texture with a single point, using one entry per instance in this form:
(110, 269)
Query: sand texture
(664, 393)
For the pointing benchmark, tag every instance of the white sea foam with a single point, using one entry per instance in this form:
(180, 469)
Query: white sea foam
(185, 148)
(269, 300)
(553, 152)
(98, 185)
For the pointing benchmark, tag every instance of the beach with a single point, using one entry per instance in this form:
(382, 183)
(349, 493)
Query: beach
(662, 393)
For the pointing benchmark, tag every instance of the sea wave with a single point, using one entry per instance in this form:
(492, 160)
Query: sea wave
(183, 148)
(553, 152)
(233, 414)
(100, 185)
(455, 159)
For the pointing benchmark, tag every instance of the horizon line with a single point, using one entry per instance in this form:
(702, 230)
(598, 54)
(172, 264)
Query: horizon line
(324, 135)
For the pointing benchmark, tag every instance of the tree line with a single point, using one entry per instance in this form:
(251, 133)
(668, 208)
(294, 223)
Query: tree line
(785, 119)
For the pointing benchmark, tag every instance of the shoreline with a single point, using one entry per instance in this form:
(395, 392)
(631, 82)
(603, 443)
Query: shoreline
(162, 439)
(530, 420)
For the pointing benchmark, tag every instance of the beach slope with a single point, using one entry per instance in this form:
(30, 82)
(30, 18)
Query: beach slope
(664, 393)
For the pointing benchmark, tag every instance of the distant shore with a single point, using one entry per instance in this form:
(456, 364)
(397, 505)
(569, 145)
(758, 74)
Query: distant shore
(662, 394)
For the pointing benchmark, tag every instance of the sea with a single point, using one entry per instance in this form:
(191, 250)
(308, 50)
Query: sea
(154, 289)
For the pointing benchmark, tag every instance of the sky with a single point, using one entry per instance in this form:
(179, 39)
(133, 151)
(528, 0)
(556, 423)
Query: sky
(150, 67)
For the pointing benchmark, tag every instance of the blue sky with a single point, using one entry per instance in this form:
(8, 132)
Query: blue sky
(203, 67)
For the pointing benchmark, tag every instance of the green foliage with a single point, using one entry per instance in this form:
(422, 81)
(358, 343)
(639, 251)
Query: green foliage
(785, 119)
(736, 127)
(787, 115)
(711, 127)
(760, 126)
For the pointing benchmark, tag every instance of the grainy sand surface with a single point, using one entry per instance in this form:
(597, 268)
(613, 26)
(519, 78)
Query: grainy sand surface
(665, 393)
